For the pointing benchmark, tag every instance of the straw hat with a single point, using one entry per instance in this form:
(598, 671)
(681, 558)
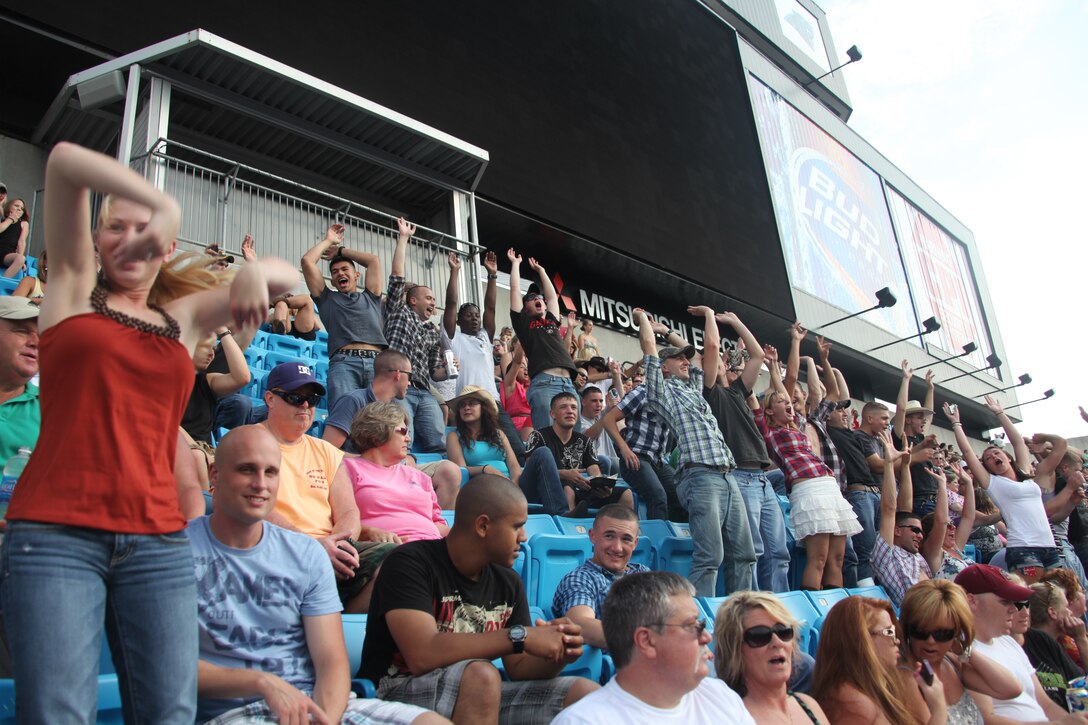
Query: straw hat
(475, 391)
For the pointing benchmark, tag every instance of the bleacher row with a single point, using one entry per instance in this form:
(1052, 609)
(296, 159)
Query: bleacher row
(8, 284)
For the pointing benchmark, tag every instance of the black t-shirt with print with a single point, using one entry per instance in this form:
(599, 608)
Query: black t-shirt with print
(1052, 665)
(544, 345)
(420, 575)
(577, 453)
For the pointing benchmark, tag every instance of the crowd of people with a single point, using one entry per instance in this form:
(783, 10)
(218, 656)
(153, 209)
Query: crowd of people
(218, 569)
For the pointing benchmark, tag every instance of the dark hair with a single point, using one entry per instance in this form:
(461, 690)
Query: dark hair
(340, 258)
(559, 396)
(901, 517)
(388, 360)
(616, 511)
(489, 426)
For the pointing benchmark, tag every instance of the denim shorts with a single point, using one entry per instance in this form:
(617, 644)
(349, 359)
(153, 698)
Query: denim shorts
(1018, 558)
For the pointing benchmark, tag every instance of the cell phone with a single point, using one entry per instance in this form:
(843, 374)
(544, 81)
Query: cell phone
(926, 673)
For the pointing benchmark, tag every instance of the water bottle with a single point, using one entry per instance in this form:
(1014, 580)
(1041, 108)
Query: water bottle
(12, 470)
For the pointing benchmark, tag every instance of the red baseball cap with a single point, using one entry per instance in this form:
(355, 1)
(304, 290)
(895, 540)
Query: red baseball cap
(986, 579)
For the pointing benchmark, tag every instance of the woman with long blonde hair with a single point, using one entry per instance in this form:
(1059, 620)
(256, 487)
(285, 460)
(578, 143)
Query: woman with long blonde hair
(96, 538)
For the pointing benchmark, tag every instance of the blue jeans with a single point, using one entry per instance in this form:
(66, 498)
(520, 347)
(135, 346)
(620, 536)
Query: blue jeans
(655, 483)
(236, 410)
(61, 584)
(347, 373)
(768, 530)
(719, 530)
(542, 388)
(540, 482)
(778, 481)
(426, 424)
(866, 505)
(1041, 557)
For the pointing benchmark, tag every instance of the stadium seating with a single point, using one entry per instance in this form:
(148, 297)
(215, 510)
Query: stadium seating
(288, 345)
(319, 350)
(824, 600)
(274, 358)
(8, 285)
(354, 636)
(573, 527)
(807, 615)
(551, 556)
(255, 357)
(674, 554)
(255, 388)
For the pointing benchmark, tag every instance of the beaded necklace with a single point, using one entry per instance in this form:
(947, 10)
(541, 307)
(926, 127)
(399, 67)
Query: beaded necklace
(171, 330)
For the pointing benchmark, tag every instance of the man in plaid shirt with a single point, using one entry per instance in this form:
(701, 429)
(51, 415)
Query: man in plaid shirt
(718, 518)
(408, 330)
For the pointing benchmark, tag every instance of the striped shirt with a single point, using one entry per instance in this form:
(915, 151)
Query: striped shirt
(682, 406)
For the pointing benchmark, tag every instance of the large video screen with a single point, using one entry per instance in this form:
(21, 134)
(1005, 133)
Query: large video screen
(832, 217)
(941, 280)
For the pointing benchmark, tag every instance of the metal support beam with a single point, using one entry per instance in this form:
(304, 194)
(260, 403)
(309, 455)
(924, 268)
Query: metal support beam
(128, 121)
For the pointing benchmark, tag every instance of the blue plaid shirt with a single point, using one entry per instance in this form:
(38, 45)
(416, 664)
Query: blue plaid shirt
(682, 406)
(587, 586)
(645, 433)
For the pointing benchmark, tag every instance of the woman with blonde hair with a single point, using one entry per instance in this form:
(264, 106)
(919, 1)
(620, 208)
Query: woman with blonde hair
(755, 641)
(856, 680)
(938, 630)
(96, 538)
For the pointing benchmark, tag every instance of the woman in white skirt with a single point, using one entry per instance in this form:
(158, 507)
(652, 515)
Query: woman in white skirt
(821, 517)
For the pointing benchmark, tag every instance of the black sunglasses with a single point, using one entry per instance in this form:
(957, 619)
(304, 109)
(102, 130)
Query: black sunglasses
(915, 529)
(297, 400)
(761, 636)
(1021, 606)
(939, 635)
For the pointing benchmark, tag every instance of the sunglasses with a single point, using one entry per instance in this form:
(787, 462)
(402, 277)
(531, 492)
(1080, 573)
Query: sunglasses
(938, 635)
(296, 399)
(915, 529)
(1021, 606)
(697, 627)
(757, 637)
(401, 430)
(888, 632)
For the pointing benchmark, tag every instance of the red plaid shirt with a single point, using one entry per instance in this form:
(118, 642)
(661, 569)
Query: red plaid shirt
(791, 451)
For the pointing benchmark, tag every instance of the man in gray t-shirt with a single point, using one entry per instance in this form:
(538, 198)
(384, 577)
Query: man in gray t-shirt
(271, 639)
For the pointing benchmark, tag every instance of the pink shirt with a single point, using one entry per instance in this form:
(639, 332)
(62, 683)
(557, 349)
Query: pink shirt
(399, 499)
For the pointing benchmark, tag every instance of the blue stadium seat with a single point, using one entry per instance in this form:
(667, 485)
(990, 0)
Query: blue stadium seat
(656, 529)
(874, 591)
(589, 665)
(682, 530)
(447, 514)
(541, 524)
(354, 636)
(320, 350)
(322, 338)
(709, 607)
(288, 345)
(521, 564)
(971, 551)
(824, 600)
(551, 557)
(807, 615)
(644, 554)
(571, 526)
(321, 371)
(674, 554)
(255, 357)
(255, 387)
(260, 340)
(272, 359)
(8, 285)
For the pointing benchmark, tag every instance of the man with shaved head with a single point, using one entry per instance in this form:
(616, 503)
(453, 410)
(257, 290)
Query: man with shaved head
(443, 609)
(271, 642)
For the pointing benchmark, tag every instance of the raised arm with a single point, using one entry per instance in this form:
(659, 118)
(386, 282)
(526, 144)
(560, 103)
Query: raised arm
(325, 249)
(774, 377)
(645, 332)
(1044, 471)
(887, 490)
(449, 315)
(71, 173)
(491, 264)
(793, 359)
(712, 344)
(978, 471)
(930, 390)
(551, 298)
(755, 352)
(932, 547)
(515, 280)
(510, 375)
(900, 417)
(1020, 450)
(405, 231)
(844, 390)
(967, 516)
(831, 383)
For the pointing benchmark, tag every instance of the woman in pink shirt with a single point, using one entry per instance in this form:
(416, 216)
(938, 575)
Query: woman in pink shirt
(396, 502)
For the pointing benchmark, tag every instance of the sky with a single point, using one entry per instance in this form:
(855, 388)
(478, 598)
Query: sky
(983, 104)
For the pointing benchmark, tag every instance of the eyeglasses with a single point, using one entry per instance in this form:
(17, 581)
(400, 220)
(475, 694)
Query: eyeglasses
(938, 635)
(757, 637)
(888, 632)
(296, 399)
(401, 430)
(1021, 606)
(697, 627)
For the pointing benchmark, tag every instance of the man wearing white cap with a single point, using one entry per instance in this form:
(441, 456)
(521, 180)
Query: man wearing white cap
(20, 415)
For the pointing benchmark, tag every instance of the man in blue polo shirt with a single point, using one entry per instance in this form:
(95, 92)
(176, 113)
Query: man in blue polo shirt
(581, 593)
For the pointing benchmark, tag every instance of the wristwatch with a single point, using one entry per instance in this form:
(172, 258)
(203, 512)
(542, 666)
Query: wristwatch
(517, 636)
(221, 335)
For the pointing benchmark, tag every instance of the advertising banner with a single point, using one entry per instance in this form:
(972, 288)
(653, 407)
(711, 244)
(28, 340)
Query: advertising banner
(832, 216)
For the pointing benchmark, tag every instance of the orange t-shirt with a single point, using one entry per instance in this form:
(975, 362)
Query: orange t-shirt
(306, 472)
(112, 399)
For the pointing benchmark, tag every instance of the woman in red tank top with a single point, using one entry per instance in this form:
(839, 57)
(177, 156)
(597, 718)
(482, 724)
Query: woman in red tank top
(95, 534)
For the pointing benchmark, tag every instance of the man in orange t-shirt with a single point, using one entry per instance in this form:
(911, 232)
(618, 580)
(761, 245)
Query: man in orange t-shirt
(308, 499)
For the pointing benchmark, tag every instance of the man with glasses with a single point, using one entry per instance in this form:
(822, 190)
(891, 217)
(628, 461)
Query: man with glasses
(658, 640)
(994, 597)
(901, 555)
(308, 500)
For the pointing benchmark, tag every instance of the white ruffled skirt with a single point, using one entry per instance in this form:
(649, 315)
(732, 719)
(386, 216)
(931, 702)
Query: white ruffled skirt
(817, 507)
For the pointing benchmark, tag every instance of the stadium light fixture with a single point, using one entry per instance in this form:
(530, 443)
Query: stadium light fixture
(929, 325)
(992, 363)
(967, 350)
(1047, 395)
(852, 53)
(884, 298)
(1024, 380)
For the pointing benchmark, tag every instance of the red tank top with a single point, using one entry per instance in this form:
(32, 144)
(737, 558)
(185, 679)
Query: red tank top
(112, 400)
